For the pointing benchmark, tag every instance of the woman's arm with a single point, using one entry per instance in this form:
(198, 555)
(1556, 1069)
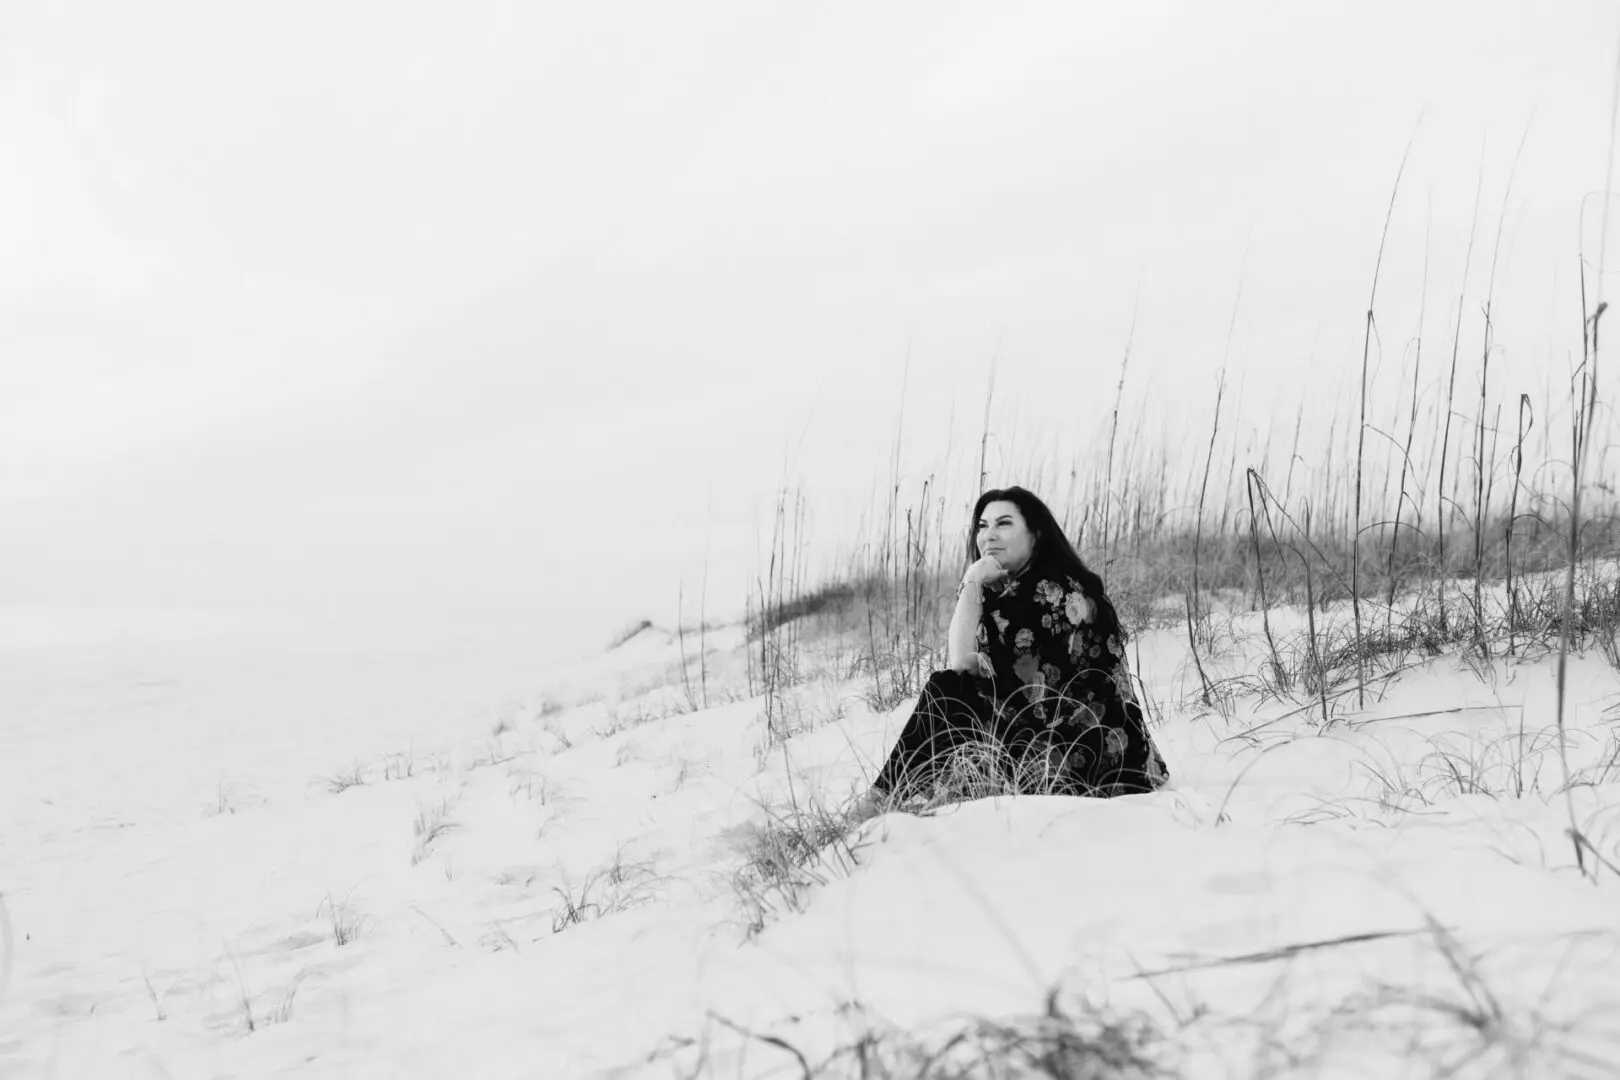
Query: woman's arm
(960, 650)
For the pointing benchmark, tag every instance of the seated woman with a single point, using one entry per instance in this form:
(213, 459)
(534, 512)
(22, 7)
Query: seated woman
(1038, 696)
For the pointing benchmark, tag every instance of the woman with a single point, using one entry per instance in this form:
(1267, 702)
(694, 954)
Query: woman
(1038, 696)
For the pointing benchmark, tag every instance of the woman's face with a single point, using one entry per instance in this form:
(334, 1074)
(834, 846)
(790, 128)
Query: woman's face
(1002, 532)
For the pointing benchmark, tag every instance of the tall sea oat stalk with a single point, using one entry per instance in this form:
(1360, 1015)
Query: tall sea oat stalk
(1583, 428)
(1361, 431)
(1451, 389)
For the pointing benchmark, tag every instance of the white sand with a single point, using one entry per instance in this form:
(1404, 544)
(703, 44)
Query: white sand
(172, 857)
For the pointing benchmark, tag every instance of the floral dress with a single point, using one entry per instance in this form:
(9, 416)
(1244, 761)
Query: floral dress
(1051, 690)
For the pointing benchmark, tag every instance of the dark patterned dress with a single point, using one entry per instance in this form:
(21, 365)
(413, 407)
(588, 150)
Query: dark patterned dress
(1050, 708)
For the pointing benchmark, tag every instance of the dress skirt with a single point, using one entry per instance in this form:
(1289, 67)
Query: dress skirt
(958, 742)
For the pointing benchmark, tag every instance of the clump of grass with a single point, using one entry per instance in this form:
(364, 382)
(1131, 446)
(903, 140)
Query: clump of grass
(338, 783)
(1393, 790)
(535, 786)
(345, 922)
(805, 708)
(160, 1001)
(795, 849)
(281, 1011)
(899, 663)
(431, 822)
(641, 711)
(617, 886)
(278, 1013)
(559, 735)
(223, 802)
(1065, 1042)
(400, 765)
(1605, 770)
(498, 752)
(498, 938)
(244, 997)
(974, 770)
(1507, 766)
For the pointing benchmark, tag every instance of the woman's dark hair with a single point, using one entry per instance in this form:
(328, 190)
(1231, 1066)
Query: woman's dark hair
(1054, 556)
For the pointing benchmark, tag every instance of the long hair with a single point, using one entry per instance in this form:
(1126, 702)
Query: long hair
(1053, 556)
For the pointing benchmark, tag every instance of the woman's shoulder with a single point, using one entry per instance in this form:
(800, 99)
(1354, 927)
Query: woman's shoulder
(1053, 574)
(1059, 584)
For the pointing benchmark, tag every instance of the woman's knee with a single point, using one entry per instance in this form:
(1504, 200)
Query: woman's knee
(947, 681)
(953, 694)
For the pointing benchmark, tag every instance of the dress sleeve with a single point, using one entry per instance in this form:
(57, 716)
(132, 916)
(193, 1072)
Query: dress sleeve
(1058, 605)
(983, 667)
(1093, 653)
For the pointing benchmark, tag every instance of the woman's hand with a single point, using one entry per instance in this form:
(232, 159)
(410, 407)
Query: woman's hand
(986, 571)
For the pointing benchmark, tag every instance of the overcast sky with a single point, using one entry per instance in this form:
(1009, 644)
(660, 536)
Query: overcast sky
(527, 304)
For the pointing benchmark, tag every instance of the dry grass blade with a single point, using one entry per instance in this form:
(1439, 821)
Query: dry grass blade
(769, 1040)
(1282, 952)
(1361, 430)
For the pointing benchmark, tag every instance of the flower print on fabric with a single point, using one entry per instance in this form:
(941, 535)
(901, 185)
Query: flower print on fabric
(1114, 743)
(1052, 668)
(1123, 682)
(1156, 772)
(1077, 607)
